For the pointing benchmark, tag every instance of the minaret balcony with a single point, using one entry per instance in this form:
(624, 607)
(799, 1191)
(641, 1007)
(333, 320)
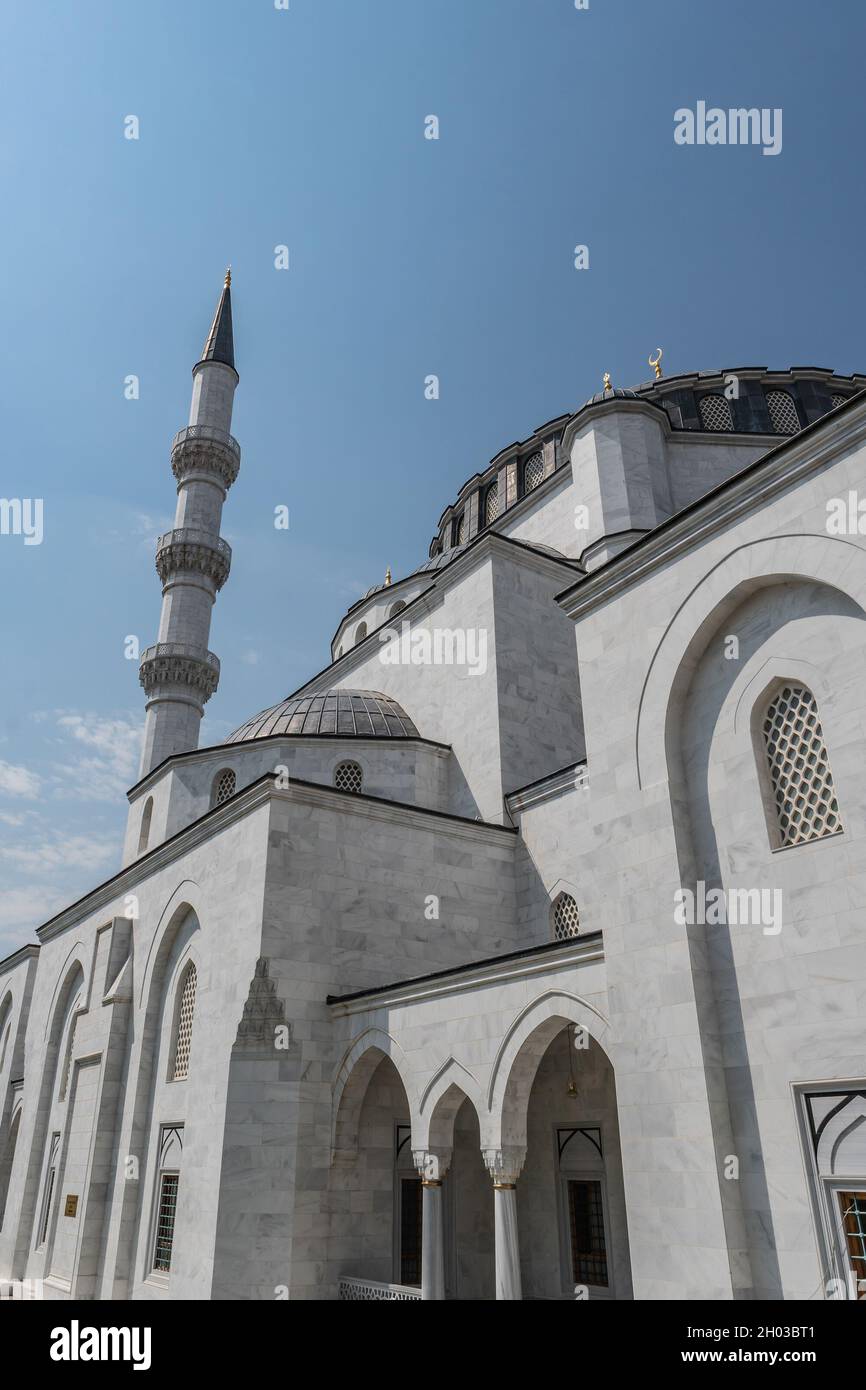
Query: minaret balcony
(205, 449)
(179, 664)
(189, 549)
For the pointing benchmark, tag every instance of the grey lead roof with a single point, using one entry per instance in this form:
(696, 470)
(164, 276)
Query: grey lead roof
(346, 713)
(220, 346)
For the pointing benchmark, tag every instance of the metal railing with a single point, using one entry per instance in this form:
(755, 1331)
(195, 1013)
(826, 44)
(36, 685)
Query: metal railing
(189, 535)
(208, 432)
(369, 1290)
(181, 649)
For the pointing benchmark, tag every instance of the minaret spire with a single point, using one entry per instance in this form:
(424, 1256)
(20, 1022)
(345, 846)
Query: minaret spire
(179, 674)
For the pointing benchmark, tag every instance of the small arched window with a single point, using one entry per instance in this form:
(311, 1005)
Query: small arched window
(396, 608)
(360, 632)
(564, 917)
(783, 412)
(144, 832)
(224, 785)
(460, 529)
(799, 768)
(348, 777)
(183, 1024)
(491, 503)
(836, 401)
(70, 1043)
(533, 472)
(716, 413)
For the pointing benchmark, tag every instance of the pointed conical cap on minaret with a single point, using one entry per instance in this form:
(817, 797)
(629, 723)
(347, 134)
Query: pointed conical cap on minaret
(220, 345)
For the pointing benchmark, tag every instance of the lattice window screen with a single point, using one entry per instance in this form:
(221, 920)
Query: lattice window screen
(224, 787)
(837, 401)
(491, 503)
(783, 412)
(566, 919)
(348, 777)
(799, 767)
(716, 413)
(180, 1070)
(533, 472)
(165, 1222)
(460, 535)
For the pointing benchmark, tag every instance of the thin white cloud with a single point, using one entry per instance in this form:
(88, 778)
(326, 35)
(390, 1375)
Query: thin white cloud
(18, 781)
(86, 853)
(109, 766)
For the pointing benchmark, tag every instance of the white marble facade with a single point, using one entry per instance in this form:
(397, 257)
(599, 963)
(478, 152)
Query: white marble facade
(434, 1027)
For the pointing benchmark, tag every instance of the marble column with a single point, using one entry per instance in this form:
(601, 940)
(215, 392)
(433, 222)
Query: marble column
(504, 1166)
(432, 1165)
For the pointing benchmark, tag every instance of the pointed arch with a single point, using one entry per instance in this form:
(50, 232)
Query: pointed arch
(441, 1099)
(520, 1052)
(351, 1080)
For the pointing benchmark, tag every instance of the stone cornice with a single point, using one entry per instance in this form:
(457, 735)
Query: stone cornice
(567, 779)
(243, 803)
(28, 952)
(794, 459)
(582, 951)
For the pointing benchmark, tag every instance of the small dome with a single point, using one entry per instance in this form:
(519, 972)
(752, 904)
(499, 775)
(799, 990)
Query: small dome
(343, 713)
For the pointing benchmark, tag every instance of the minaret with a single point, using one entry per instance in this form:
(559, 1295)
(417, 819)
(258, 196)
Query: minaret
(179, 674)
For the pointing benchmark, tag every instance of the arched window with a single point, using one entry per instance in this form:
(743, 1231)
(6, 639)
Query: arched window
(360, 632)
(396, 608)
(799, 768)
(716, 413)
(348, 777)
(72, 1019)
(144, 833)
(183, 1024)
(460, 529)
(491, 503)
(224, 785)
(783, 412)
(564, 917)
(836, 401)
(533, 472)
(5, 1028)
(339, 653)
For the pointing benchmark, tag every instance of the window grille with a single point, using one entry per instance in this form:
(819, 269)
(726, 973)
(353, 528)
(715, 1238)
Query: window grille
(223, 787)
(460, 530)
(533, 472)
(566, 919)
(348, 777)
(800, 773)
(586, 1227)
(783, 412)
(837, 401)
(853, 1208)
(165, 1222)
(180, 1069)
(716, 413)
(491, 503)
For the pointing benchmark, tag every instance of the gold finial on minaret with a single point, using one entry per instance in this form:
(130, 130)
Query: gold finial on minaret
(228, 279)
(656, 362)
(608, 384)
(387, 576)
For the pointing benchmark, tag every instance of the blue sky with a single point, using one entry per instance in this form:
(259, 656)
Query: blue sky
(305, 127)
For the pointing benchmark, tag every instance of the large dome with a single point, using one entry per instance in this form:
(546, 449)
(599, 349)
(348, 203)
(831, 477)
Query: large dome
(344, 713)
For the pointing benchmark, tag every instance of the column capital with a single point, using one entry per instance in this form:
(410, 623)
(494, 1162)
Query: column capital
(432, 1164)
(505, 1163)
